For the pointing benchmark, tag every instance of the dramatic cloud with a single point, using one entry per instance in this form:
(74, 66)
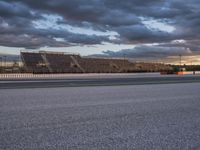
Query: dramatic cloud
(161, 24)
(150, 52)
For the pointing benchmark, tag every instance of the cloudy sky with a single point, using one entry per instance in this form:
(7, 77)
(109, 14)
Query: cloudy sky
(138, 29)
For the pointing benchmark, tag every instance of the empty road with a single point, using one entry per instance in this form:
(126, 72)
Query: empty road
(97, 80)
(150, 116)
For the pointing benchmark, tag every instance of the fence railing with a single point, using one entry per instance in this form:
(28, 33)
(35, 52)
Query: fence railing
(29, 76)
(50, 76)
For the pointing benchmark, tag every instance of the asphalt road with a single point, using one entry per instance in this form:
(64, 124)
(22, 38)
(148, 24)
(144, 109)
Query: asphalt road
(150, 117)
(97, 81)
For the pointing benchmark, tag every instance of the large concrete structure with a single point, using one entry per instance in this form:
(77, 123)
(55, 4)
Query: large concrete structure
(51, 62)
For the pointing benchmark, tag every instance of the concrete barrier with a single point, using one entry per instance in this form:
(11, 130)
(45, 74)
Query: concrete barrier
(188, 72)
(181, 73)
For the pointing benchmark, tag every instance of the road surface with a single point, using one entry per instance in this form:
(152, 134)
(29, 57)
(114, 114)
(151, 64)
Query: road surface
(150, 116)
(98, 80)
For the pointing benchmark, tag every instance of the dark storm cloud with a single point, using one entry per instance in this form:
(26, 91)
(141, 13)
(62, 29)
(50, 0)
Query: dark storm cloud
(40, 38)
(30, 42)
(17, 29)
(14, 10)
(141, 34)
(123, 17)
(143, 51)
